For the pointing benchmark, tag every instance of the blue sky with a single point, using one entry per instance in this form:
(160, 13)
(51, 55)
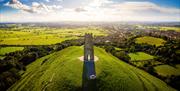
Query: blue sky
(167, 3)
(89, 10)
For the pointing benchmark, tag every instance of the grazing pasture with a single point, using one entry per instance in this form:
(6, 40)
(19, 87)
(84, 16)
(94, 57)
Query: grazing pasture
(4, 50)
(118, 49)
(150, 40)
(140, 56)
(140, 59)
(167, 70)
(177, 29)
(44, 35)
(161, 28)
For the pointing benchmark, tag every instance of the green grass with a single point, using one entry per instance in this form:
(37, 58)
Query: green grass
(4, 50)
(178, 51)
(178, 67)
(161, 28)
(177, 29)
(44, 36)
(118, 49)
(166, 70)
(150, 40)
(62, 71)
(140, 56)
(142, 64)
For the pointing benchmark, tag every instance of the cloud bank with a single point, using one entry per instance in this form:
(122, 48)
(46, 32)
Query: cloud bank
(97, 10)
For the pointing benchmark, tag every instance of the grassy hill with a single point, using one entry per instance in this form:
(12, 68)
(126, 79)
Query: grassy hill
(62, 71)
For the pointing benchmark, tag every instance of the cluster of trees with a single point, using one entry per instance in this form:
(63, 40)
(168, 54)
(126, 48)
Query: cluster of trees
(168, 53)
(121, 54)
(15, 62)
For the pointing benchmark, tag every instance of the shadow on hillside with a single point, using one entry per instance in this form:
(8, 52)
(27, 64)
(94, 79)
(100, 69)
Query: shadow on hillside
(87, 83)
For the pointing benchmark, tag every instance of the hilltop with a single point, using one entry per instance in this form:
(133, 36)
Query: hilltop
(62, 71)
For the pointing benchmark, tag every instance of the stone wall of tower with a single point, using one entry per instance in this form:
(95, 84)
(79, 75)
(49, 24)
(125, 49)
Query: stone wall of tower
(88, 48)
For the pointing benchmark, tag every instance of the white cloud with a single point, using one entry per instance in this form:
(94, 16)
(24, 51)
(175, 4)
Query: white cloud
(99, 10)
(53, 0)
(146, 11)
(47, 1)
(40, 8)
(18, 5)
(80, 9)
(145, 7)
(59, 0)
(36, 7)
(100, 3)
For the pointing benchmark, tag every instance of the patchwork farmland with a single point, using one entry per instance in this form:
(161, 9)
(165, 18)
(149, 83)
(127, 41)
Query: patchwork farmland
(50, 58)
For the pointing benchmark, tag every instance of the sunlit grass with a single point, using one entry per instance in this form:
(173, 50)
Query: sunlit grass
(4, 50)
(177, 29)
(150, 40)
(44, 36)
(140, 56)
(166, 70)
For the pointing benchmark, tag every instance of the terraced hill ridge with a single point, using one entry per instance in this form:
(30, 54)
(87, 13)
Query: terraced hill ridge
(62, 71)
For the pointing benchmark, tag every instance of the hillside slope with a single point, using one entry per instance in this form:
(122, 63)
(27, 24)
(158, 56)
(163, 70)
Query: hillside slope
(62, 71)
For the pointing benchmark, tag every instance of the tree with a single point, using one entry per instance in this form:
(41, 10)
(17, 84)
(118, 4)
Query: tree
(122, 55)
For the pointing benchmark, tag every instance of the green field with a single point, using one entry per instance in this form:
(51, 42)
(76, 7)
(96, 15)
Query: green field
(4, 50)
(62, 71)
(44, 36)
(150, 40)
(166, 70)
(177, 29)
(161, 28)
(140, 56)
(118, 49)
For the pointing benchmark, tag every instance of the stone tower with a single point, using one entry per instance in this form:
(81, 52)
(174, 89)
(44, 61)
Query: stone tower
(88, 48)
(89, 73)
